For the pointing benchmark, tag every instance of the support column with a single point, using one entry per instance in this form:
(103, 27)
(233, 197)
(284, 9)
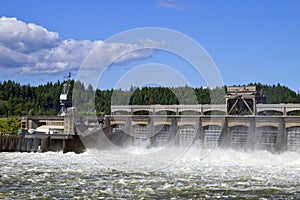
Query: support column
(150, 132)
(64, 146)
(227, 106)
(11, 144)
(174, 130)
(284, 111)
(107, 125)
(199, 133)
(281, 141)
(128, 125)
(4, 143)
(199, 130)
(29, 145)
(224, 137)
(18, 144)
(35, 144)
(22, 145)
(251, 138)
(128, 129)
(254, 106)
(44, 144)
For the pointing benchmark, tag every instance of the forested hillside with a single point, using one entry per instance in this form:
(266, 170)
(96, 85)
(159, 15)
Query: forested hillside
(19, 100)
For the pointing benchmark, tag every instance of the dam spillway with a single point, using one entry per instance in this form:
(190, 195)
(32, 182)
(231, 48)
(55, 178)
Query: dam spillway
(245, 121)
(276, 133)
(191, 124)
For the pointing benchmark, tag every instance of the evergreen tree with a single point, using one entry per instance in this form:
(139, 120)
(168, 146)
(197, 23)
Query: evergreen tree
(18, 100)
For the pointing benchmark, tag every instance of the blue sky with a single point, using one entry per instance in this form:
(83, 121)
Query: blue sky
(249, 41)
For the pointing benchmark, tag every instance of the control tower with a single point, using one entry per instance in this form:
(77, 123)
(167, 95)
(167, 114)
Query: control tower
(242, 100)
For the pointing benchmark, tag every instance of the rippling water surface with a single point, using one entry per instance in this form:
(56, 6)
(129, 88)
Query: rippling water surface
(221, 174)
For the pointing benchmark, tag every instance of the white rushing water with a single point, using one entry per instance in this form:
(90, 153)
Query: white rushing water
(217, 174)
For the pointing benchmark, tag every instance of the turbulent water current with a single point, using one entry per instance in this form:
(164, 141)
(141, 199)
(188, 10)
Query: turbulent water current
(224, 174)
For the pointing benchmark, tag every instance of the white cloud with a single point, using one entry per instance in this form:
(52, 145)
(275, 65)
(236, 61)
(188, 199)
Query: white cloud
(125, 52)
(31, 49)
(26, 38)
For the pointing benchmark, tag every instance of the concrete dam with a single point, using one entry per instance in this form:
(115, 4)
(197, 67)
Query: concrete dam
(273, 133)
(244, 122)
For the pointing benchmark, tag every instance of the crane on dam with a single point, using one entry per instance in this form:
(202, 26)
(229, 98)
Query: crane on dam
(64, 96)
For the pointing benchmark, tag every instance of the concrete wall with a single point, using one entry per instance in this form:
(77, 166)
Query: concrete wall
(256, 132)
(40, 143)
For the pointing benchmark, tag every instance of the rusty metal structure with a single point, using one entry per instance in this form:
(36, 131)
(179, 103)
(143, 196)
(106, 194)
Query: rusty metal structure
(242, 100)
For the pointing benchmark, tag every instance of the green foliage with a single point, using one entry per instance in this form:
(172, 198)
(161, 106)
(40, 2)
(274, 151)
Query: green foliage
(19, 100)
(279, 94)
(9, 125)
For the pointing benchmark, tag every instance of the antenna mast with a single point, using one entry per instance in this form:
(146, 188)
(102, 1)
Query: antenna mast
(64, 96)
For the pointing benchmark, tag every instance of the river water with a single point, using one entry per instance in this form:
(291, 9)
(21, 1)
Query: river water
(220, 173)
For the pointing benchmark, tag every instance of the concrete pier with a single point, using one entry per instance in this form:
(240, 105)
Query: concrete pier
(272, 133)
(41, 143)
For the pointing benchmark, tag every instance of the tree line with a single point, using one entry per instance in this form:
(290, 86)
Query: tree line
(20, 100)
